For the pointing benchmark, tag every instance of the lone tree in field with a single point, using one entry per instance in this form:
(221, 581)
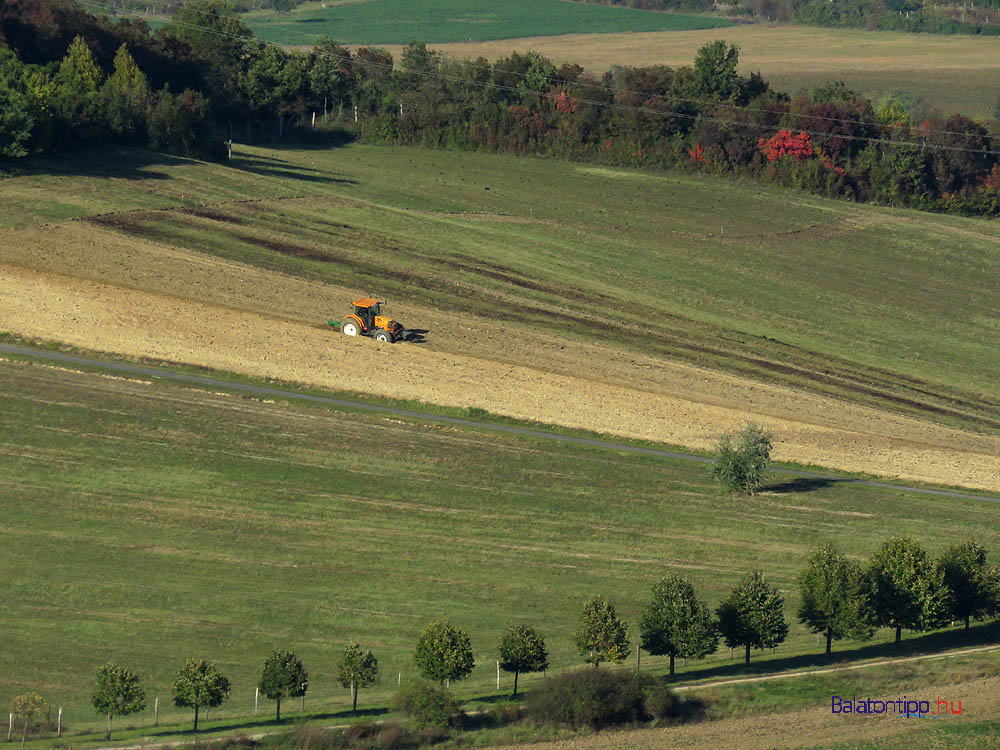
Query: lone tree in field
(677, 623)
(357, 669)
(741, 465)
(117, 693)
(973, 587)
(27, 707)
(601, 635)
(198, 684)
(832, 597)
(905, 589)
(283, 676)
(522, 650)
(753, 616)
(444, 652)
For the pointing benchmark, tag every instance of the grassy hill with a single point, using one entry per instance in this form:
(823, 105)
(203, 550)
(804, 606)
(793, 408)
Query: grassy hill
(147, 522)
(893, 308)
(405, 21)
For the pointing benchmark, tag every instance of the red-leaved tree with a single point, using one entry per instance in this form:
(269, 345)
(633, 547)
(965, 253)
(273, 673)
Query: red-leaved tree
(785, 143)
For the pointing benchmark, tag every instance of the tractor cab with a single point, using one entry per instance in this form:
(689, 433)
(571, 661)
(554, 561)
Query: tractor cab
(367, 310)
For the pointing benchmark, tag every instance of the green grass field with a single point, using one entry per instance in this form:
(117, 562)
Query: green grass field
(146, 523)
(405, 21)
(895, 308)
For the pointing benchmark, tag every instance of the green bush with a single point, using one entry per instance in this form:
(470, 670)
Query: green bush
(588, 698)
(741, 466)
(668, 708)
(426, 703)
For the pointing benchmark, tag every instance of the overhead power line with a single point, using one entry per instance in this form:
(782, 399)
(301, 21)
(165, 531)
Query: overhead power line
(592, 102)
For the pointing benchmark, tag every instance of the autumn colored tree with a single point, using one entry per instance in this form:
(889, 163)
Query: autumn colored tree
(27, 707)
(785, 143)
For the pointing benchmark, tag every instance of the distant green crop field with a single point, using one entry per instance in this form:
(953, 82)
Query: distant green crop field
(145, 522)
(405, 21)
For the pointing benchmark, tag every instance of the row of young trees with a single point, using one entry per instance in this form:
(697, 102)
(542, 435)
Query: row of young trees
(899, 587)
(68, 80)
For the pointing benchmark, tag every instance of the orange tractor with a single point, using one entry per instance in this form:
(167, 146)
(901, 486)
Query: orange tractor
(367, 320)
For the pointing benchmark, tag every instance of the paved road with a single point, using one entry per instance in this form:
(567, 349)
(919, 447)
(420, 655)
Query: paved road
(261, 390)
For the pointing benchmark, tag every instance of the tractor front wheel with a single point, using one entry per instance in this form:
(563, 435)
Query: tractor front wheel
(384, 336)
(350, 328)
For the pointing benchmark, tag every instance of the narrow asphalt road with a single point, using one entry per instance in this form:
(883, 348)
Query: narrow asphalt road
(261, 390)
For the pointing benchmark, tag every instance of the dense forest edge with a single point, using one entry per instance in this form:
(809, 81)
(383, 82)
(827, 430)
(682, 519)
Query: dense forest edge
(70, 80)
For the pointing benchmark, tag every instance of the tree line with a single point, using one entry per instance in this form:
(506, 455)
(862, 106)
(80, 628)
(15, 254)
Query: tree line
(899, 587)
(69, 80)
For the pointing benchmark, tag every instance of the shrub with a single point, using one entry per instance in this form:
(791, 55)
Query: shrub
(593, 698)
(741, 466)
(668, 708)
(394, 737)
(426, 703)
(314, 738)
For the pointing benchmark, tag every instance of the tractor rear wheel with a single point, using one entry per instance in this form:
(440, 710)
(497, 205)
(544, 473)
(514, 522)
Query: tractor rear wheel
(384, 336)
(350, 328)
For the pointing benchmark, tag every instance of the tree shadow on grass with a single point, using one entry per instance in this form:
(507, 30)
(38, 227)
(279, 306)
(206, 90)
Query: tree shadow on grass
(122, 163)
(803, 484)
(953, 638)
(347, 716)
(271, 167)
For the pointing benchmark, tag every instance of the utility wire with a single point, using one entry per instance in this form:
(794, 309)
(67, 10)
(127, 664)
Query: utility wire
(597, 103)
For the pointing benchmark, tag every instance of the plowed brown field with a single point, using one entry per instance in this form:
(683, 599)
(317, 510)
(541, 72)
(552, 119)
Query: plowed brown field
(89, 287)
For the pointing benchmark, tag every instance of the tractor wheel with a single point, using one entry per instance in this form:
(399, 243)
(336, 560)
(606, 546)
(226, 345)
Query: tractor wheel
(384, 336)
(350, 328)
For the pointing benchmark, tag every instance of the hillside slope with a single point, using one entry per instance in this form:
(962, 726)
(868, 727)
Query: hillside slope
(661, 307)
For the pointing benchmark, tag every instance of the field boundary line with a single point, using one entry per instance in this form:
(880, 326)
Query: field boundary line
(847, 668)
(271, 391)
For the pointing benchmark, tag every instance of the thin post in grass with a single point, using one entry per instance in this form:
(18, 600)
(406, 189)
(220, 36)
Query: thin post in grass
(10, 726)
(399, 679)
(498, 675)
(59, 723)
(256, 698)
(156, 711)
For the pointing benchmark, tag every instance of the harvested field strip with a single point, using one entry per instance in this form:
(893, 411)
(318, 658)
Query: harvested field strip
(472, 283)
(309, 527)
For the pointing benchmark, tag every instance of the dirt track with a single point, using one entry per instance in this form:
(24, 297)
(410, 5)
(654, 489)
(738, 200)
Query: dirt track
(138, 298)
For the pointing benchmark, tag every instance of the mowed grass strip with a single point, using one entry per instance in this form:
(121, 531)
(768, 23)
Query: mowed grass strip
(893, 308)
(405, 21)
(147, 523)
